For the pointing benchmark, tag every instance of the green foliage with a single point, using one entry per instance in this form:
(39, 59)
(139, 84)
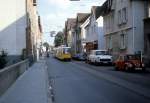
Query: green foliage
(46, 45)
(3, 60)
(59, 39)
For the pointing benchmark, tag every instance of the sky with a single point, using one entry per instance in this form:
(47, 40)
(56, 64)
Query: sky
(54, 13)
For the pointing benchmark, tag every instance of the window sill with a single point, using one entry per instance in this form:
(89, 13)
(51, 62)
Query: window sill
(123, 48)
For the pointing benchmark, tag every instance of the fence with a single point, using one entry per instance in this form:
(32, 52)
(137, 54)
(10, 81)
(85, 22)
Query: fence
(9, 74)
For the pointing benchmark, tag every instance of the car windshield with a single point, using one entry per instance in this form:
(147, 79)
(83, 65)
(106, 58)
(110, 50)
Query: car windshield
(66, 50)
(133, 57)
(101, 53)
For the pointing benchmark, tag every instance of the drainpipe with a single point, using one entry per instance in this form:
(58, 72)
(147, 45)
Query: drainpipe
(133, 27)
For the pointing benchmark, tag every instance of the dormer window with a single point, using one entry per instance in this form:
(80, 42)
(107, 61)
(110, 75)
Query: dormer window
(34, 3)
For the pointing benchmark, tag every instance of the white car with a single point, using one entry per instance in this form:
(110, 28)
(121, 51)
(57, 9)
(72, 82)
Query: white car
(100, 57)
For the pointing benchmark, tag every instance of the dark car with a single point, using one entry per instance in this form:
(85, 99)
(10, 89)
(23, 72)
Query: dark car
(80, 56)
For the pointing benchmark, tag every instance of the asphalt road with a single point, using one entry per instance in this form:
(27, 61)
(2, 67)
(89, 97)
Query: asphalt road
(77, 82)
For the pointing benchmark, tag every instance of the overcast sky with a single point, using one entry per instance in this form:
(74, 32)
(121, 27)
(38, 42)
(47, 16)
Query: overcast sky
(54, 13)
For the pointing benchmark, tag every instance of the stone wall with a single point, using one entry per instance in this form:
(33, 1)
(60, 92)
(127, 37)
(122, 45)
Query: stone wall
(9, 74)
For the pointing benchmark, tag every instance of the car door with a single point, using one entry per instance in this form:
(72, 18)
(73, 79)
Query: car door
(90, 56)
(120, 62)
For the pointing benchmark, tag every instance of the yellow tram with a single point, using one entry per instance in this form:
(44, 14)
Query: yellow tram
(63, 53)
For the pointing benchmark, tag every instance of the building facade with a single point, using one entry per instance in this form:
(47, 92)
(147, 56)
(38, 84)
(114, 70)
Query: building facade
(34, 30)
(123, 26)
(39, 42)
(70, 34)
(15, 35)
(13, 28)
(92, 32)
(81, 17)
(147, 33)
(84, 34)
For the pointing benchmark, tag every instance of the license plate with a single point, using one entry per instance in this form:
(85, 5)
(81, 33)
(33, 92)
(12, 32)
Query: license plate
(105, 62)
(138, 68)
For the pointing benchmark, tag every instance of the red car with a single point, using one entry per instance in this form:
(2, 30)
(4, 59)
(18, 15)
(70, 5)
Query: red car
(129, 62)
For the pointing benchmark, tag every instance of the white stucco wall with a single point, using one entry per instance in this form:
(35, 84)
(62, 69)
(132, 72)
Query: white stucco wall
(101, 39)
(100, 30)
(139, 15)
(83, 29)
(148, 9)
(92, 33)
(133, 28)
(13, 26)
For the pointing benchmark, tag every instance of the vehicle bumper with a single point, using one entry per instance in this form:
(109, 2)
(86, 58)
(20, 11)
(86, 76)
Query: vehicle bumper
(105, 63)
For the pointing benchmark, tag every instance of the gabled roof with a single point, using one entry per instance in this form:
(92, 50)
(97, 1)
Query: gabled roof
(81, 17)
(96, 10)
(71, 23)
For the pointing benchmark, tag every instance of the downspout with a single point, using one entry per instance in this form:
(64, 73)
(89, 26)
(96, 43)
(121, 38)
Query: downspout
(27, 51)
(133, 43)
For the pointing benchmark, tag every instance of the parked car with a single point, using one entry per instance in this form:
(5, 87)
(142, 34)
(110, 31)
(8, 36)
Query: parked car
(99, 57)
(80, 56)
(129, 62)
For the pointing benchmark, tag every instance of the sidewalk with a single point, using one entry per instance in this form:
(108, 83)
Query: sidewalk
(31, 87)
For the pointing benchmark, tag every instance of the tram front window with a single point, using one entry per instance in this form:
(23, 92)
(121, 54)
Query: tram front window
(66, 50)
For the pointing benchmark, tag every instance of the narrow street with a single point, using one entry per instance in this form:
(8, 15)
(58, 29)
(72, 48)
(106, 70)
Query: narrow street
(52, 51)
(77, 82)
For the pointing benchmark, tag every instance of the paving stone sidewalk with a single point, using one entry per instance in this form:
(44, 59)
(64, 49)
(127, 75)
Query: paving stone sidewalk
(31, 87)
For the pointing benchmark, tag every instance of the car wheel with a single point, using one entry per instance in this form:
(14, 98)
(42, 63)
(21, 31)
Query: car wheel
(143, 69)
(116, 68)
(95, 63)
(126, 68)
(89, 61)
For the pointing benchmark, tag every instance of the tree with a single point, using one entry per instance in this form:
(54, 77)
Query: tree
(3, 61)
(46, 45)
(59, 39)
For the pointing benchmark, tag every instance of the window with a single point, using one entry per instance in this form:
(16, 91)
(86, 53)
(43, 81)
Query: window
(112, 22)
(110, 42)
(109, 22)
(124, 15)
(66, 50)
(119, 17)
(34, 3)
(122, 41)
(101, 53)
